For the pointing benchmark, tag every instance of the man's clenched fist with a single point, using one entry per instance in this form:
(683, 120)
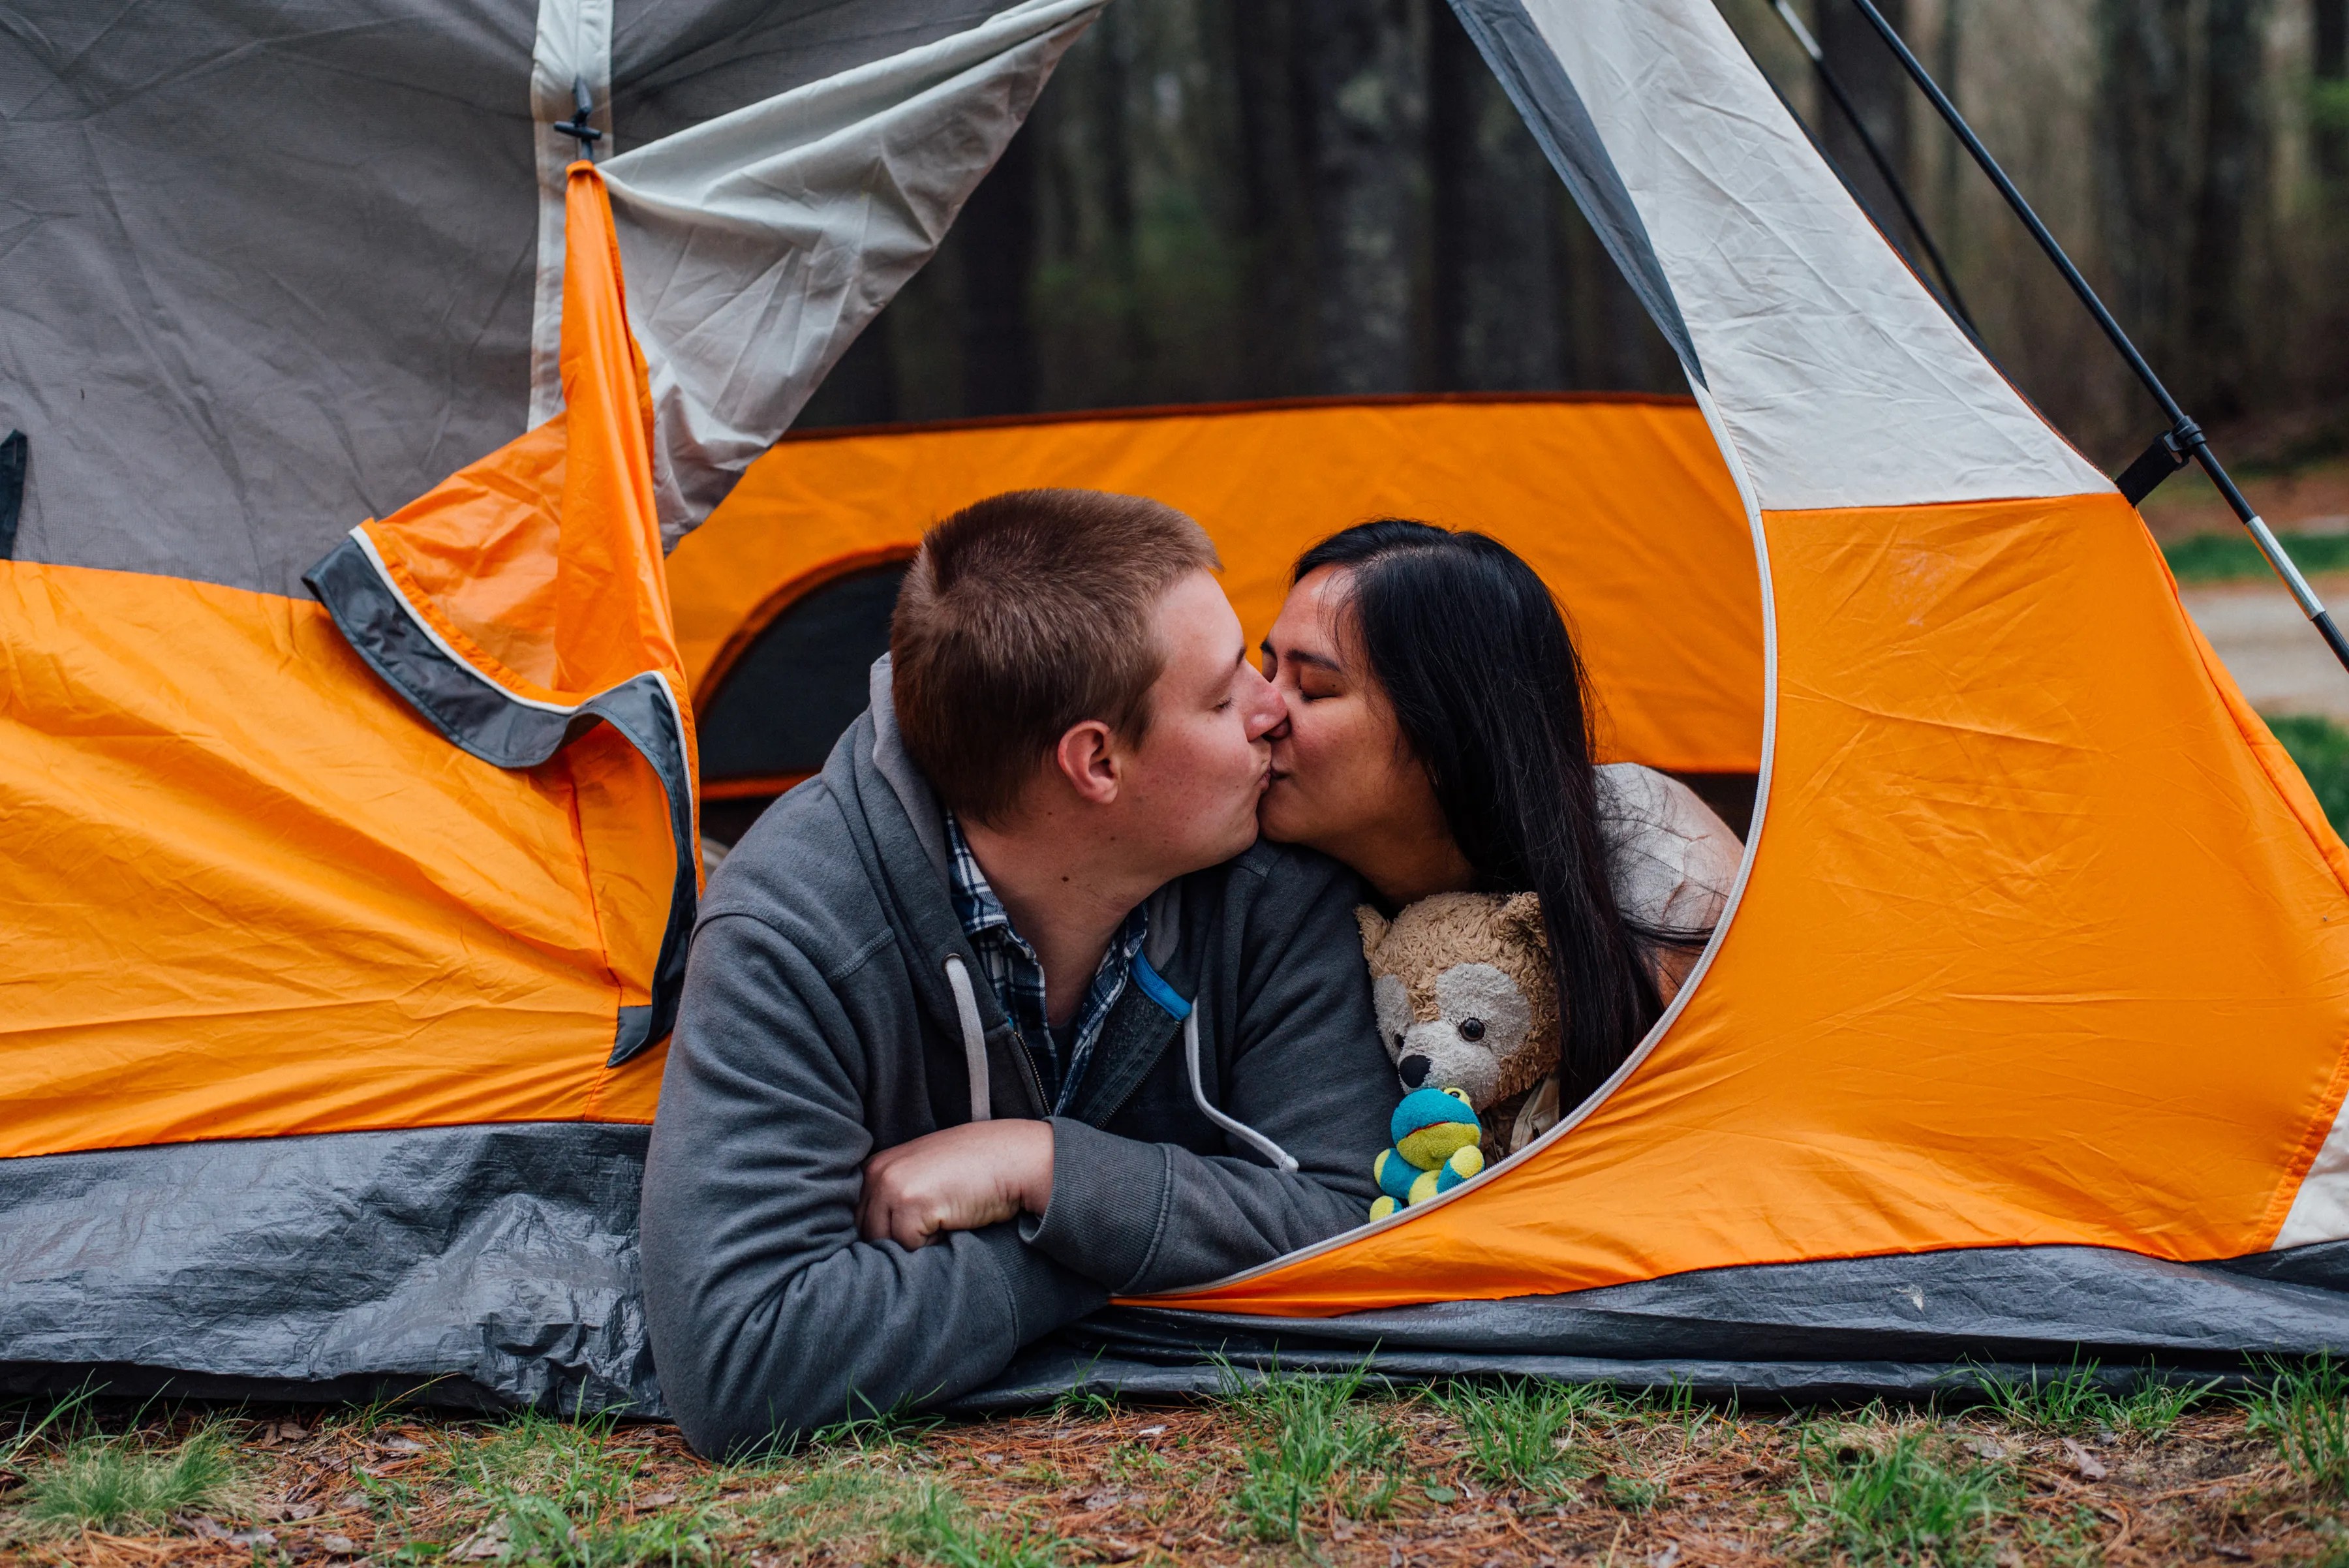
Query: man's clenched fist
(959, 1178)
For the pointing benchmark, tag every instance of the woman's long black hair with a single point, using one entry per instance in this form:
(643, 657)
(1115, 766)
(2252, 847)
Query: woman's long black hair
(1483, 679)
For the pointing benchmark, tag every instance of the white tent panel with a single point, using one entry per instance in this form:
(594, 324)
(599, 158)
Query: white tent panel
(1839, 378)
(759, 244)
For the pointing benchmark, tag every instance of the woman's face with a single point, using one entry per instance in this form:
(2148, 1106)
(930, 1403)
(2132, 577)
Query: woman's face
(1343, 779)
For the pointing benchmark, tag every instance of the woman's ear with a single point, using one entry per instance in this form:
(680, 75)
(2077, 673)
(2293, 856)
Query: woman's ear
(1521, 916)
(1375, 927)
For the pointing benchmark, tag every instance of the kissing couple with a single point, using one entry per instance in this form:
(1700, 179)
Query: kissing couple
(1048, 987)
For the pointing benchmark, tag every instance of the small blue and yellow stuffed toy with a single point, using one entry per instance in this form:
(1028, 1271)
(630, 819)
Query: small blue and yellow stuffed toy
(1436, 1136)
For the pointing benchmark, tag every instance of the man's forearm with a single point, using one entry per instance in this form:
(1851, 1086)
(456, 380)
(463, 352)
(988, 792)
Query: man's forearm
(862, 1331)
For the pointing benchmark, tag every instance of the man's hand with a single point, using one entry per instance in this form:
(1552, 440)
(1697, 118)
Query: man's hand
(960, 1179)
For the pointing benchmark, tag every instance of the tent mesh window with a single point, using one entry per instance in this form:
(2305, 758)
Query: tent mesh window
(775, 709)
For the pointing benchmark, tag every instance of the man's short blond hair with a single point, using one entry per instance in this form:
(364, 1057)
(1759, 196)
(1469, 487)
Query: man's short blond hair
(1026, 614)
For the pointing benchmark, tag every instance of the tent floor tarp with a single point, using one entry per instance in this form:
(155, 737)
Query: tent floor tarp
(485, 1267)
(300, 1304)
(1847, 1329)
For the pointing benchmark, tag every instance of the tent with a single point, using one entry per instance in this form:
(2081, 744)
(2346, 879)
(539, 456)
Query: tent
(352, 915)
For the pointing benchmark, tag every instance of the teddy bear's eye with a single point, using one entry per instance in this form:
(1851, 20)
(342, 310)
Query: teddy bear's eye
(1472, 1029)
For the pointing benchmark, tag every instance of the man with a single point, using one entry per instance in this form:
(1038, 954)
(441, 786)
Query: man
(930, 1096)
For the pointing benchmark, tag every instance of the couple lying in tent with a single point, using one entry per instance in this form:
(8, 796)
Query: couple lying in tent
(1051, 986)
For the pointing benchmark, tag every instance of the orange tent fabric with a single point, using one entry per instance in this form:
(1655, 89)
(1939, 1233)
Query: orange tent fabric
(2044, 941)
(1621, 502)
(423, 939)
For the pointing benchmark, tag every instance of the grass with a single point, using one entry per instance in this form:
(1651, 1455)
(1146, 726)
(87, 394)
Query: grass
(2232, 557)
(2076, 1401)
(2304, 1411)
(938, 1528)
(538, 1530)
(2076, 1467)
(2069, 1401)
(1314, 1442)
(1635, 1494)
(2155, 1407)
(854, 1508)
(562, 1493)
(1917, 1498)
(1521, 1433)
(115, 1485)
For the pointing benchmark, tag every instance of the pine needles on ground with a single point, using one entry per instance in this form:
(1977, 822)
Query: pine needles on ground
(2082, 1466)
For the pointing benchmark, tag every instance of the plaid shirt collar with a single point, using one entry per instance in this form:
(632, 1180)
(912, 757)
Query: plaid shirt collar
(1018, 975)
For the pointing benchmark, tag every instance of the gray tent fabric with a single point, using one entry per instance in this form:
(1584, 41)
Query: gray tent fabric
(1918, 1325)
(270, 269)
(483, 1266)
(2001, 1303)
(1056, 1368)
(1832, 376)
(494, 1267)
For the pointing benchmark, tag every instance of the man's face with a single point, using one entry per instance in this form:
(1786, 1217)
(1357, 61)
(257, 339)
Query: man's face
(1192, 786)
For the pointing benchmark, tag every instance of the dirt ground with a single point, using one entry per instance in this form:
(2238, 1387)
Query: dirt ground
(1272, 1474)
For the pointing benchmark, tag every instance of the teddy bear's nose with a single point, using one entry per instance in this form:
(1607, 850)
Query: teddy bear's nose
(1413, 1071)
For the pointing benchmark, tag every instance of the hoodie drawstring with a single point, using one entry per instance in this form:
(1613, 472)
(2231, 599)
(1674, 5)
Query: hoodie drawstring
(974, 1038)
(1232, 1124)
(974, 1054)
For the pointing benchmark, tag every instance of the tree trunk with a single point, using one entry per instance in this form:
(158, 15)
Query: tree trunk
(1273, 107)
(997, 229)
(2332, 65)
(2227, 219)
(2145, 157)
(1366, 107)
(1111, 89)
(862, 387)
(1880, 90)
(1494, 230)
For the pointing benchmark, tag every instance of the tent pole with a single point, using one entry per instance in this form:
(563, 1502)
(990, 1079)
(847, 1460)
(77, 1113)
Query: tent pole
(2184, 437)
(1893, 182)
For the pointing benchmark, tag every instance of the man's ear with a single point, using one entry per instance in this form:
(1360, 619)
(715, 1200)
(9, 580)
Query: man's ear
(1090, 761)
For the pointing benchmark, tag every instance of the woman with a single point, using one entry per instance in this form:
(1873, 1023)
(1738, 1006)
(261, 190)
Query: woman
(1438, 741)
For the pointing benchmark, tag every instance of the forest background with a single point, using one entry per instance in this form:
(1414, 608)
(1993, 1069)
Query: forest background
(1217, 200)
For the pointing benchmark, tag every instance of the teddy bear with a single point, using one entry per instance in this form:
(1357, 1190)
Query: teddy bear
(1465, 1002)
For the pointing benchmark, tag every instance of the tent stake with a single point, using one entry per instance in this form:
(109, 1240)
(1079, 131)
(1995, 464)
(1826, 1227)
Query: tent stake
(2184, 434)
(1893, 182)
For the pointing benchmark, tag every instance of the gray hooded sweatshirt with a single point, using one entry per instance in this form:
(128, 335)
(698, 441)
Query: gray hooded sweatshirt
(822, 1021)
